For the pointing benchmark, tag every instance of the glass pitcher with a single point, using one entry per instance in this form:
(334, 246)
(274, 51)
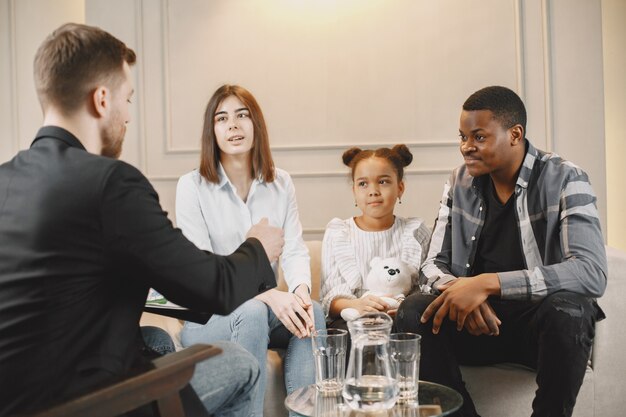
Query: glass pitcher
(369, 383)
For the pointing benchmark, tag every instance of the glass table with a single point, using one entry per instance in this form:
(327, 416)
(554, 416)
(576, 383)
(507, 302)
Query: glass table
(433, 400)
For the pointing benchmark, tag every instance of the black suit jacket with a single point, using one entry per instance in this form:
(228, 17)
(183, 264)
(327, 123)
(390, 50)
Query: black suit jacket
(82, 238)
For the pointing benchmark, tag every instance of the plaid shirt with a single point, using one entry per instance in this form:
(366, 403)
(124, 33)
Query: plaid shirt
(558, 225)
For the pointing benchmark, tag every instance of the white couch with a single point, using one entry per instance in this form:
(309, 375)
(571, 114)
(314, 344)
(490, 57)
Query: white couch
(506, 389)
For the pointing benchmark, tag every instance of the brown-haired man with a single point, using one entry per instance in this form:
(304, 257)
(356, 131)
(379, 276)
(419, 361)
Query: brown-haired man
(83, 237)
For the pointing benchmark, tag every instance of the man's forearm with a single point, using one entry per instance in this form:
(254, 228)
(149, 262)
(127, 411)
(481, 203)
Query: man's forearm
(490, 283)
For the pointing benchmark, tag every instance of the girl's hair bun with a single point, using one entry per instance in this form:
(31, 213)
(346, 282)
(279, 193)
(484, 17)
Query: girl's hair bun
(348, 156)
(406, 157)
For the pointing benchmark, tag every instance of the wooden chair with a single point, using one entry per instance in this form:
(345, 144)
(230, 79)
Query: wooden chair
(161, 384)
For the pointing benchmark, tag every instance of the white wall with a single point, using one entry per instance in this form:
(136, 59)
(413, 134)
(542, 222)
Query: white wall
(331, 74)
(614, 41)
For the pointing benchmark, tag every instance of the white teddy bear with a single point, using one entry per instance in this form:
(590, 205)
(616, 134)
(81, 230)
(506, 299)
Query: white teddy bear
(388, 276)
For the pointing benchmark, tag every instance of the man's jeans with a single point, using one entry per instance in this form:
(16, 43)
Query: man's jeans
(255, 327)
(224, 383)
(553, 336)
(158, 340)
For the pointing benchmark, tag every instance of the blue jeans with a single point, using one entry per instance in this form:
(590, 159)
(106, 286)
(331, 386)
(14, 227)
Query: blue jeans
(158, 340)
(224, 383)
(251, 326)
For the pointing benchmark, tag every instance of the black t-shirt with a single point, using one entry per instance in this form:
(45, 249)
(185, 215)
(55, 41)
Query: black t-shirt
(499, 248)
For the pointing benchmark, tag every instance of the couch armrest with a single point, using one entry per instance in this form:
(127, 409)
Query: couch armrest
(608, 360)
(315, 252)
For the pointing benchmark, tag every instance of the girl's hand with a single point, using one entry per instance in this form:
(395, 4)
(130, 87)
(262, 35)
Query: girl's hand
(369, 304)
(287, 307)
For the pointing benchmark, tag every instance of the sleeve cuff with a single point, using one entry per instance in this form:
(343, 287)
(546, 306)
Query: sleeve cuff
(265, 271)
(441, 280)
(297, 284)
(513, 285)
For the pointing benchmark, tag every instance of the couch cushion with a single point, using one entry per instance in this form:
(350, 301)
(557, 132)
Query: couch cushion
(275, 391)
(509, 390)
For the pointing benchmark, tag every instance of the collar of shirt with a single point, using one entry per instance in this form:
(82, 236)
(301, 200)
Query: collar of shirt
(224, 180)
(55, 132)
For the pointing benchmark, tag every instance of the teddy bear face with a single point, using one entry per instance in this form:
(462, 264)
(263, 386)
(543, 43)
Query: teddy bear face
(391, 271)
(389, 276)
(390, 279)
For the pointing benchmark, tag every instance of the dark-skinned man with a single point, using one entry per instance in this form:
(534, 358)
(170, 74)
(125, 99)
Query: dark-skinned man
(515, 264)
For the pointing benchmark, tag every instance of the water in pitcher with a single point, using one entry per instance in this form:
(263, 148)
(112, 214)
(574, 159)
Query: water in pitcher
(369, 383)
(370, 393)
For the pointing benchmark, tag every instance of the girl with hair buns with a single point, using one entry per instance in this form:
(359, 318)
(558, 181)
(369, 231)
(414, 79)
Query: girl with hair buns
(349, 245)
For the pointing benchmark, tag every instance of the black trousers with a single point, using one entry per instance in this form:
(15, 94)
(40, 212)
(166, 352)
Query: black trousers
(553, 336)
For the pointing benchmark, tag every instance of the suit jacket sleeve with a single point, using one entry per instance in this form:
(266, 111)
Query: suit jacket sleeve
(139, 235)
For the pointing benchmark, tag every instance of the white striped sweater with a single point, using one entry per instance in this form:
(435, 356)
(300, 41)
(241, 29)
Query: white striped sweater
(347, 251)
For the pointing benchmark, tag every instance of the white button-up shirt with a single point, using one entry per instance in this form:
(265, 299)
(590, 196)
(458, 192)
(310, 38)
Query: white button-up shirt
(216, 219)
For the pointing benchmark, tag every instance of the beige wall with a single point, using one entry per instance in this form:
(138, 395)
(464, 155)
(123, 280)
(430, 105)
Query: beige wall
(331, 74)
(614, 46)
(23, 26)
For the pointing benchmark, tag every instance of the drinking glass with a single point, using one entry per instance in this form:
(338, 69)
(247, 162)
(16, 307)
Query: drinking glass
(329, 350)
(404, 349)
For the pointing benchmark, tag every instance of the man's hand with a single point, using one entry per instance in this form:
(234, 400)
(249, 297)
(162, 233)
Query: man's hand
(459, 298)
(483, 320)
(286, 306)
(270, 237)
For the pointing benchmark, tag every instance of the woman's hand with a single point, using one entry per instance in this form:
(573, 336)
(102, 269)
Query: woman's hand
(288, 308)
(304, 295)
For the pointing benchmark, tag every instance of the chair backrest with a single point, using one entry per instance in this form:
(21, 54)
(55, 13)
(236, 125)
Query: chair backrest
(162, 384)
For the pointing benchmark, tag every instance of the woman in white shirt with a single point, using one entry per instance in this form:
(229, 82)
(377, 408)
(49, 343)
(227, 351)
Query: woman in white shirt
(349, 245)
(235, 187)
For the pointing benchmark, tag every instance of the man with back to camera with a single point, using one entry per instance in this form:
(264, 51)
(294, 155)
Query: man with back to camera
(83, 237)
(518, 258)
